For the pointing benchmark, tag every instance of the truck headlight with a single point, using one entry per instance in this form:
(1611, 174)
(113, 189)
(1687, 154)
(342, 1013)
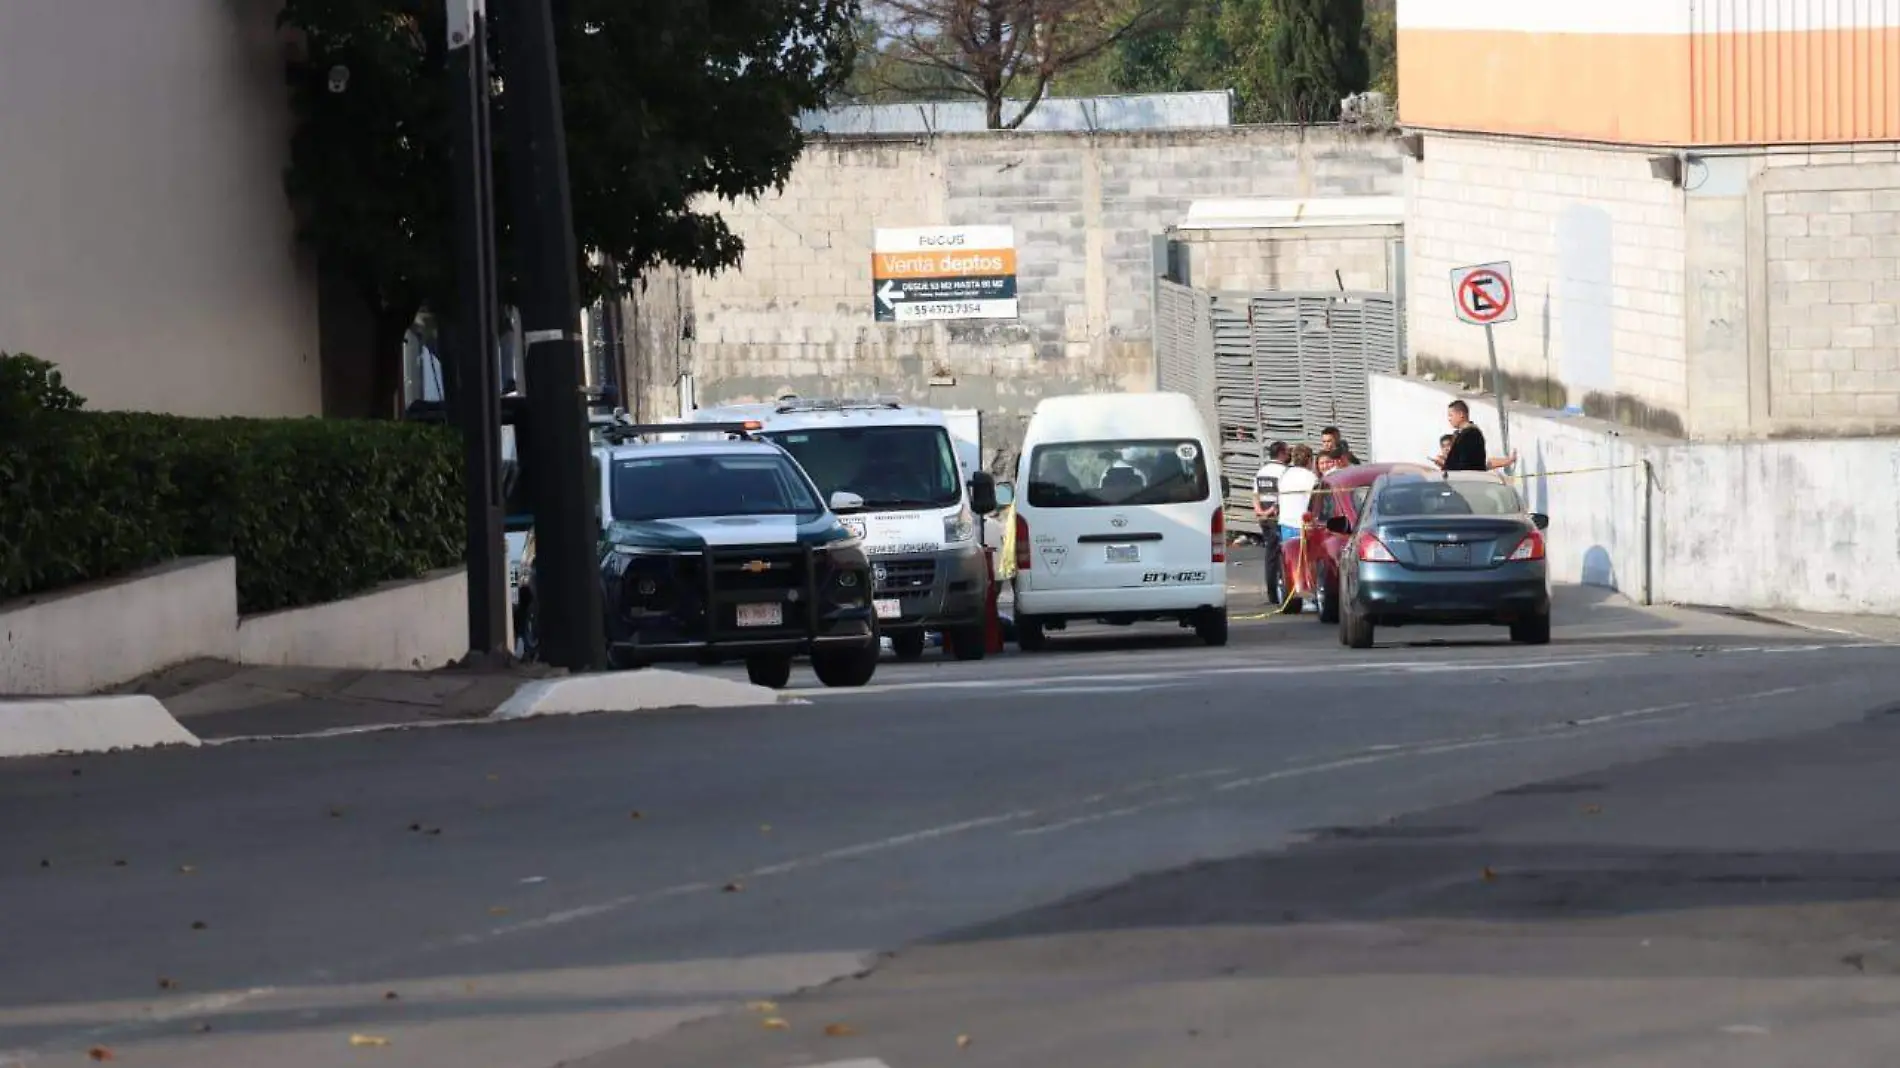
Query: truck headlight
(958, 528)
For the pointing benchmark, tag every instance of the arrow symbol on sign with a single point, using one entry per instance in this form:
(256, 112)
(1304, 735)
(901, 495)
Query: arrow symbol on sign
(890, 294)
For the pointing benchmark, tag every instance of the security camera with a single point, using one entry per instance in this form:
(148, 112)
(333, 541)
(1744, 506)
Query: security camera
(339, 78)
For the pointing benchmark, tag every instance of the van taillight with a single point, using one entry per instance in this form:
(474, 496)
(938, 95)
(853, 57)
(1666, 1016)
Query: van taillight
(1022, 543)
(1219, 535)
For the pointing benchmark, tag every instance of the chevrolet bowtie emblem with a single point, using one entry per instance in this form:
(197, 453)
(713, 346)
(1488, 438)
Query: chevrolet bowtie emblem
(755, 566)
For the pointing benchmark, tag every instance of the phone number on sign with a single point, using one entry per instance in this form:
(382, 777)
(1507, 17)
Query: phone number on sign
(954, 307)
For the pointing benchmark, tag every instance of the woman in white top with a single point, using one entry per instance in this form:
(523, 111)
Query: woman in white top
(1296, 487)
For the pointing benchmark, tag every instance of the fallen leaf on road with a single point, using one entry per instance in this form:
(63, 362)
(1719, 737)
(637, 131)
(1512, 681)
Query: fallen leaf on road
(198, 925)
(433, 831)
(773, 1023)
(336, 813)
(415, 826)
(165, 983)
(963, 1041)
(733, 887)
(390, 995)
(186, 869)
(494, 778)
(765, 828)
(368, 1040)
(498, 910)
(839, 1030)
(761, 1006)
(118, 863)
(1489, 875)
(636, 814)
(100, 1053)
(468, 988)
(44, 863)
(203, 1029)
(1591, 810)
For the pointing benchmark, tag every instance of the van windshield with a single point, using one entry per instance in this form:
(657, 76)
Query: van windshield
(1104, 474)
(888, 466)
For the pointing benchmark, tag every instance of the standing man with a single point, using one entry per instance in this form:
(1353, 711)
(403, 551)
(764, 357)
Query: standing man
(1467, 441)
(1266, 508)
(1330, 441)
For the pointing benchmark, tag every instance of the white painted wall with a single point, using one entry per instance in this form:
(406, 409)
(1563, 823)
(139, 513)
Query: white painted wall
(82, 641)
(1808, 526)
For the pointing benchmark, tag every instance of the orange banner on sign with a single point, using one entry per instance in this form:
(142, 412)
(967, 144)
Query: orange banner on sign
(960, 263)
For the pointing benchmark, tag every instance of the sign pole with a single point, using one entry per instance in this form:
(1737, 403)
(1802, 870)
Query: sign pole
(1497, 387)
(471, 327)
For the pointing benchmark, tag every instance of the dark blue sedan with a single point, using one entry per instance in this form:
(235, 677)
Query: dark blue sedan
(1443, 548)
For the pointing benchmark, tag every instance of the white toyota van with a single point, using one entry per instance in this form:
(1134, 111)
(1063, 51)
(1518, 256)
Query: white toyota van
(1119, 516)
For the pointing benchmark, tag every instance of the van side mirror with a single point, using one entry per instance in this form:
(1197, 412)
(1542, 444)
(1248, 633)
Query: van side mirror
(1540, 520)
(846, 501)
(1339, 524)
(983, 493)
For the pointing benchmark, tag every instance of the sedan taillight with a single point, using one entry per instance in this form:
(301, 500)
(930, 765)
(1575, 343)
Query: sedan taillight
(1370, 549)
(1531, 548)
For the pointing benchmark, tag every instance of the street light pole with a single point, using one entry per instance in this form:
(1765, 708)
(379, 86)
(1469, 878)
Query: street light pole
(559, 471)
(471, 326)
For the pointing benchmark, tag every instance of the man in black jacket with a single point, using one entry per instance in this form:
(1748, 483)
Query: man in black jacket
(1467, 441)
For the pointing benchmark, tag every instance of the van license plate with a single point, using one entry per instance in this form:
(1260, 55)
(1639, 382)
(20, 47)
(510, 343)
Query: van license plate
(1124, 554)
(761, 615)
(888, 607)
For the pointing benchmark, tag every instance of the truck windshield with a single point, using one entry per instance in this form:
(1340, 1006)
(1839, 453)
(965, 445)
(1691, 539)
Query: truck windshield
(1097, 474)
(681, 487)
(888, 466)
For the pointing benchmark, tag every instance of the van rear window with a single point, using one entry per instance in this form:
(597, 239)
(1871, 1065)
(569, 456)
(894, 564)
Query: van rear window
(1108, 474)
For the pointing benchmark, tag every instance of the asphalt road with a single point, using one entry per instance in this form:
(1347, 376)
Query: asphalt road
(523, 895)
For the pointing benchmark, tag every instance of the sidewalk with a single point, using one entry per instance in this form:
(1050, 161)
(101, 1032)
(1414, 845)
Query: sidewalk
(1734, 904)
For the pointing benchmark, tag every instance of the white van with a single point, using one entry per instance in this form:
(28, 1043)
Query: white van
(1119, 516)
(920, 512)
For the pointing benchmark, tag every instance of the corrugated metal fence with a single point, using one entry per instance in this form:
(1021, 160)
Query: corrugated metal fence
(1274, 366)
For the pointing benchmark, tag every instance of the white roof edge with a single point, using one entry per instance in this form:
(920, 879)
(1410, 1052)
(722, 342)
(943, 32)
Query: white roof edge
(1255, 213)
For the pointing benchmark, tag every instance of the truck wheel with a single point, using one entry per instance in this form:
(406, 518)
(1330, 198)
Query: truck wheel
(772, 670)
(1211, 625)
(967, 643)
(908, 644)
(846, 667)
(1030, 637)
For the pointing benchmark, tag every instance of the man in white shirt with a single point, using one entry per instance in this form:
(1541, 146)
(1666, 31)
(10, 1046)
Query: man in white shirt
(1296, 489)
(1266, 508)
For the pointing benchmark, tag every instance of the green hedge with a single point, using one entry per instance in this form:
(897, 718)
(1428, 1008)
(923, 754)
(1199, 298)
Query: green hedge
(313, 509)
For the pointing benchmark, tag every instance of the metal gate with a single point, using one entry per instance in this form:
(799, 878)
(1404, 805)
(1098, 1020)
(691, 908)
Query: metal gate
(1275, 366)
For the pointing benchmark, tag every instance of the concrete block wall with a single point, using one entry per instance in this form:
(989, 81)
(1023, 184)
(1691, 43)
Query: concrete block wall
(797, 315)
(1713, 526)
(1832, 253)
(1293, 258)
(1597, 246)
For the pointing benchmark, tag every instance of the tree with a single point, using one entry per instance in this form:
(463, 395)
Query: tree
(1318, 56)
(666, 102)
(991, 48)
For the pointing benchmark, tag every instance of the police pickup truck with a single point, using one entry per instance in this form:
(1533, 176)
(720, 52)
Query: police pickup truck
(921, 522)
(715, 545)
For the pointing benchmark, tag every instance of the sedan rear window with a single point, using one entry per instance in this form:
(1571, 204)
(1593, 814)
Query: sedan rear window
(1449, 498)
(1104, 474)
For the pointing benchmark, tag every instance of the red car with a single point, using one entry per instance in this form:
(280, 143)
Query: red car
(1312, 561)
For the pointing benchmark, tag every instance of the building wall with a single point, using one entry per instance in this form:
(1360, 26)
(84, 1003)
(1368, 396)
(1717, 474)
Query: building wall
(1317, 258)
(1596, 246)
(1665, 72)
(145, 242)
(1086, 208)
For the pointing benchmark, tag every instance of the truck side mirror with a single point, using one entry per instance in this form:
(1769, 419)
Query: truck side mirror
(983, 493)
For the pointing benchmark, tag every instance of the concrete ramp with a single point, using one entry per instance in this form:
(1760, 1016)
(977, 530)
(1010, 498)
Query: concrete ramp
(46, 726)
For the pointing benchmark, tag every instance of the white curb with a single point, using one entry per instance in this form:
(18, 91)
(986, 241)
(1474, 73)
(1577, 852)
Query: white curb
(45, 726)
(648, 690)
